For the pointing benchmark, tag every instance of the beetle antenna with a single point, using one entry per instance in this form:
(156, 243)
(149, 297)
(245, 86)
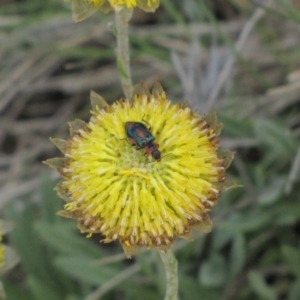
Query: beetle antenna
(146, 122)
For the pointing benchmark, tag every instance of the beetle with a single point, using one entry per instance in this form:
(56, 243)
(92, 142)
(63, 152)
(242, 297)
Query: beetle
(138, 134)
(141, 137)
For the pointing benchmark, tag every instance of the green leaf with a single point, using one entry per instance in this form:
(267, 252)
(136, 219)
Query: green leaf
(275, 136)
(272, 192)
(50, 201)
(42, 290)
(65, 238)
(221, 237)
(253, 221)
(237, 254)
(236, 127)
(35, 258)
(136, 290)
(292, 257)
(260, 288)
(2, 292)
(85, 269)
(213, 271)
(287, 209)
(16, 291)
(294, 292)
(189, 287)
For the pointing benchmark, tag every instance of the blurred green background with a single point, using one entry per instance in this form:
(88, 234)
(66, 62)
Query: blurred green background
(238, 58)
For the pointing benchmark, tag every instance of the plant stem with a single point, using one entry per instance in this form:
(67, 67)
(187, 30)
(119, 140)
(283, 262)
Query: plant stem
(170, 264)
(122, 17)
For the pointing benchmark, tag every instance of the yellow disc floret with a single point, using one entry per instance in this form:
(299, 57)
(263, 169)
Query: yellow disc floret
(123, 193)
(82, 9)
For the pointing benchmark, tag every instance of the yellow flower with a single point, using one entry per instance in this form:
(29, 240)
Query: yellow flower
(82, 9)
(124, 193)
(8, 257)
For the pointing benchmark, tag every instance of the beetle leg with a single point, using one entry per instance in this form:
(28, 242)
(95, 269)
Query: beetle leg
(131, 142)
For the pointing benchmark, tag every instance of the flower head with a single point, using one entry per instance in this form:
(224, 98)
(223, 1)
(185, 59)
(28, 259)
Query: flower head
(82, 9)
(114, 186)
(8, 257)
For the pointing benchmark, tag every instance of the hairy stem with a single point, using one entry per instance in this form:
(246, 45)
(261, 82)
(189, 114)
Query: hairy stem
(170, 264)
(122, 17)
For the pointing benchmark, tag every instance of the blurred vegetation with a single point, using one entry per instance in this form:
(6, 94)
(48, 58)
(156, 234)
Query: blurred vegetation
(48, 65)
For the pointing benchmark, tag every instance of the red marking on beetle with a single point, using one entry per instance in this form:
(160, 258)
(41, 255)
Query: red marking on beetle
(152, 149)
